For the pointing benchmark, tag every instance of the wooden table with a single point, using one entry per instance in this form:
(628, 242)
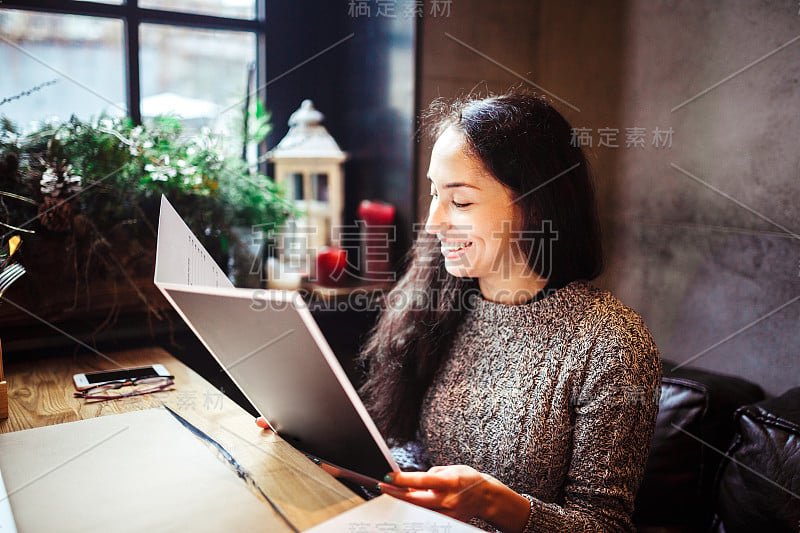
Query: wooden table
(41, 394)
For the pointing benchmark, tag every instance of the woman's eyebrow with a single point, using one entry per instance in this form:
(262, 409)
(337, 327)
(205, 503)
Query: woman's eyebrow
(456, 184)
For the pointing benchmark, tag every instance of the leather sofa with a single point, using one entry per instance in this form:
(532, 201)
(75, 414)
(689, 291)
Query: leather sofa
(722, 459)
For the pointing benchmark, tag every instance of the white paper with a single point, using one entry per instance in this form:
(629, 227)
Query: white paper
(385, 513)
(180, 258)
(7, 524)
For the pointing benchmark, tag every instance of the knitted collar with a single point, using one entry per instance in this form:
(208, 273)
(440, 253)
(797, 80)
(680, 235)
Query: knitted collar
(544, 300)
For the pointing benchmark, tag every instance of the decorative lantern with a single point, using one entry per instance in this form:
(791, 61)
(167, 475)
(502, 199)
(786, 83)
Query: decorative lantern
(308, 163)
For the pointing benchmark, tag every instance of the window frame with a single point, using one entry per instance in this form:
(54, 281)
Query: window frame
(133, 16)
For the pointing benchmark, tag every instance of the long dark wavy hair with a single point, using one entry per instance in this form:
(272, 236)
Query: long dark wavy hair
(526, 145)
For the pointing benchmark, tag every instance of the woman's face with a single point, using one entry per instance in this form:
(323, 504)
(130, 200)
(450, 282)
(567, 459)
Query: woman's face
(477, 222)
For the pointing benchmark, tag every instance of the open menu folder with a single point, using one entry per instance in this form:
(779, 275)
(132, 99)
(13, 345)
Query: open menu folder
(269, 344)
(134, 472)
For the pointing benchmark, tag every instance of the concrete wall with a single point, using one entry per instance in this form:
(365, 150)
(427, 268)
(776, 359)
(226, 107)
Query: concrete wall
(458, 51)
(702, 235)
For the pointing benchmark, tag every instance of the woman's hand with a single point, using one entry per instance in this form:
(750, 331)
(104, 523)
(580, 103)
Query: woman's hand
(457, 491)
(461, 492)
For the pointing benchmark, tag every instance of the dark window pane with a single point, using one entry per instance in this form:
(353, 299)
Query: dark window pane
(297, 186)
(320, 184)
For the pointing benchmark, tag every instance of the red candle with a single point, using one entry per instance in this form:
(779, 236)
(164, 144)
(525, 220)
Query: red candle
(331, 264)
(377, 236)
(376, 213)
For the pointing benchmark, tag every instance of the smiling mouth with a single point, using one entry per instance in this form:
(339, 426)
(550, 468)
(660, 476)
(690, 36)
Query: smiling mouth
(452, 247)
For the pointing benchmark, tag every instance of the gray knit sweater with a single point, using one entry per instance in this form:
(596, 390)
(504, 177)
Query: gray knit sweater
(557, 399)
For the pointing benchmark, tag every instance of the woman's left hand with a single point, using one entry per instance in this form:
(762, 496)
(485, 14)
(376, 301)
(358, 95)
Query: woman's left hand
(458, 491)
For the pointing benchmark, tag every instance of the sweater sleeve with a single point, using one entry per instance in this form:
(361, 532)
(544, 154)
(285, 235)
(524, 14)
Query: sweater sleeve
(615, 400)
(410, 456)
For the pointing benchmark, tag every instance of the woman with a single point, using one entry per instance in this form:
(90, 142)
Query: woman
(532, 392)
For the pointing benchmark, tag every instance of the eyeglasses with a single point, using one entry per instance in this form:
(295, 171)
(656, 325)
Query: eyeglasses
(114, 389)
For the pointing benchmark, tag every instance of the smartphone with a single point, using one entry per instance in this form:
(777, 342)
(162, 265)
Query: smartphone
(93, 379)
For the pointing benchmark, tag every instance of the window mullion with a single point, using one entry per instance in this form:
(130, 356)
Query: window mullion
(132, 69)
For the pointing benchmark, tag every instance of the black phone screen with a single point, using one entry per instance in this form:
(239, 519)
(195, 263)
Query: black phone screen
(122, 374)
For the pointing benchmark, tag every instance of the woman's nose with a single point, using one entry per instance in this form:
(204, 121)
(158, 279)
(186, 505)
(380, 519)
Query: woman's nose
(436, 221)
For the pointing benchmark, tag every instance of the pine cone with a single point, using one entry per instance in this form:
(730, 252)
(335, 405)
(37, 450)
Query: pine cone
(56, 215)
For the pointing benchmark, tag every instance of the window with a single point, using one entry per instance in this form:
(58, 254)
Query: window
(296, 180)
(69, 65)
(190, 58)
(319, 184)
(228, 8)
(200, 75)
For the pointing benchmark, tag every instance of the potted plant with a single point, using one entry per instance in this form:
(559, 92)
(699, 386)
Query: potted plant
(84, 197)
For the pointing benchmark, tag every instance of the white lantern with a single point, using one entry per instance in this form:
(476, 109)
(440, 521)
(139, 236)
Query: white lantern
(308, 162)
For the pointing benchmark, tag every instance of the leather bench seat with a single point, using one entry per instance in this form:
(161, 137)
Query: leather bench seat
(695, 416)
(758, 485)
